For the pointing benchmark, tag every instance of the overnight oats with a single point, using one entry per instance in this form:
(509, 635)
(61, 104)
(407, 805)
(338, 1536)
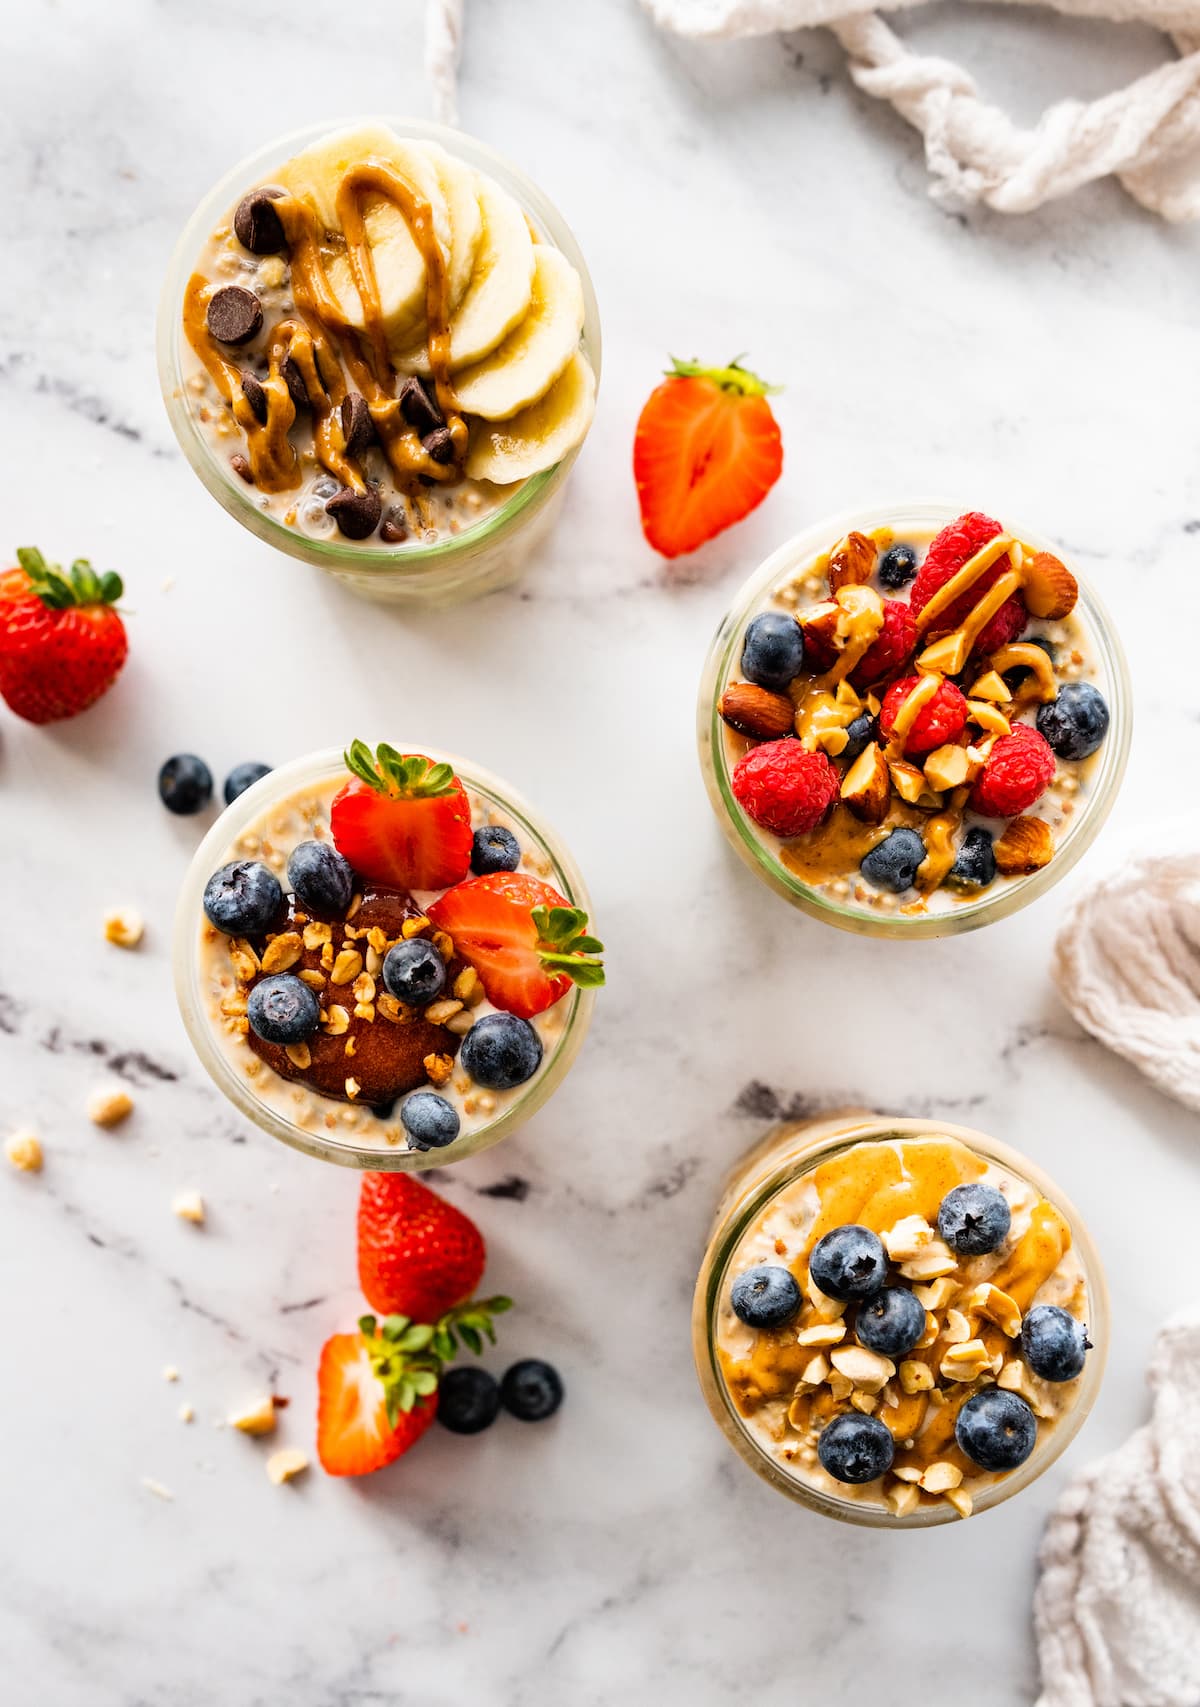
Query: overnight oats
(897, 1323)
(378, 349)
(382, 958)
(915, 723)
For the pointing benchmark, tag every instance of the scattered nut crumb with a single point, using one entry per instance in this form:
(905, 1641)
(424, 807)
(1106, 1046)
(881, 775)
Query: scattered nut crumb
(189, 1206)
(258, 1418)
(124, 927)
(187, 1413)
(158, 1489)
(109, 1105)
(170, 1373)
(289, 1461)
(24, 1151)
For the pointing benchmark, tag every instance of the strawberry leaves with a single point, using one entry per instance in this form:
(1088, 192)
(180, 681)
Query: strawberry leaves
(407, 1356)
(564, 946)
(735, 377)
(400, 776)
(80, 585)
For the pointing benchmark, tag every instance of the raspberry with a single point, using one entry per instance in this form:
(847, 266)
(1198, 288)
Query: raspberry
(957, 542)
(1019, 769)
(784, 787)
(940, 720)
(892, 647)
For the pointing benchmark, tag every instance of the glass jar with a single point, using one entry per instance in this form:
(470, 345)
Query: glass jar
(262, 1095)
(760, 850)
(783, 1157)
(466, 565)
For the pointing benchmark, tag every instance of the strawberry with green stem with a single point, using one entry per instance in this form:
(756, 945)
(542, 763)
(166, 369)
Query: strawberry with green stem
(525, 940)
(402, 820)
(62, 643)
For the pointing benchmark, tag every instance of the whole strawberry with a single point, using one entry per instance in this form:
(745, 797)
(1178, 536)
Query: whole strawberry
(62, 644)
(418, 1255)
(401, 819)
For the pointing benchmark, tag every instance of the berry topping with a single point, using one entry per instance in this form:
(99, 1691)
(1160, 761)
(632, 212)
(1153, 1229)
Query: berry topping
(974, 1219)
(501, 1051)
(531, 1390)
(996, 1429)
(897, 567)
(706, 452)
(940, 721)
(493, 848)
(243, 898)
(242, 777)
(526, 942)
(854, 1448)
(429, 1120)
(784, 787)
(185, 784)
(62, 644)
(468, 1400)
(766, 1296)
(859, 735)
(975, 864)
(891, 649)
(848, 1263)
(773, 650)
(1018, 771)
(414, 972)
(402, 820)
(321, 879)
(283, 1010)
(1076, 722)
(418, 1255)
(895, 862)
(891, 1322)
(1055, 1344)
(954, 546)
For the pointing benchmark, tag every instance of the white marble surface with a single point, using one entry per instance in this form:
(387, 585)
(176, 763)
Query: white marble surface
(729, 199)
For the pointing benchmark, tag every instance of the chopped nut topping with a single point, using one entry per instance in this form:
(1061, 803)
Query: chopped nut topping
(316, 934)
(467, 987)
(965, 1362)
(940, 1477)
(997, 1306)
(867, 1403)
(938, 1295)
(902, 1498)
(314, 979)
(109, 1105)
(24, 1151)
(390, 1008)
(931, 1263)
(960, 1499)
(356, 902)
(1026, 845)
(438, 1068)
(957, 1330)
(346, 967)
(243, 958)
(915, 1377)
(414, 927)
(299, 1054)
(364, 988)
(364, 1010)
(460, 1023)
(820, 1333)
(816, 1370)
(862, 1368)
(352, 1088)
(124, 927)
(337, 1022)
(908, 1238)
(840, 1386)
(444, 945)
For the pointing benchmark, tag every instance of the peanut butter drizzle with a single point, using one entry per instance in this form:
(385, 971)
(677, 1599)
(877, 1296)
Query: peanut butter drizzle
(273, 462)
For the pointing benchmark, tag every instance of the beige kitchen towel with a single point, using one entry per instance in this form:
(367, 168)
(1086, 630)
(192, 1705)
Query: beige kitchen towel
(1117, 1606)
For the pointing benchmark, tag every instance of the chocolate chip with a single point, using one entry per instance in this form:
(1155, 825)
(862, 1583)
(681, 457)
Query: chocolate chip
(256, 224)
(242, 468)
(255, 396)
(234, 315)
(289, 367)
(439, 445)
(356, 513)
(358, 429)
(395, 525)
(418, 407)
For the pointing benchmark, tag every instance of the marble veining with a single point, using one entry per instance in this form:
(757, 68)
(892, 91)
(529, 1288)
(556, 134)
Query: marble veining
(728, 199)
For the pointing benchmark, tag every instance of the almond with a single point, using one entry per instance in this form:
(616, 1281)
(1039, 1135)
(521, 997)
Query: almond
(948, 767)
(851, 562)
(1050, 588)
(867, 787)
(756, 711)
(819, 626)
(1025, 846)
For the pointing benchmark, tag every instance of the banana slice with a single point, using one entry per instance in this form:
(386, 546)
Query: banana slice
(526, 364)
(540, 435)
(499, 293)
(460, 189)
(316, 174)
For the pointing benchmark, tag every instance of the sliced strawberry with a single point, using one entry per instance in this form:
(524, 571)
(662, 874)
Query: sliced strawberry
(402, 820)
(354, 1432)
(62, 644)
(527, 943)
(418, 1255)
(706, 452)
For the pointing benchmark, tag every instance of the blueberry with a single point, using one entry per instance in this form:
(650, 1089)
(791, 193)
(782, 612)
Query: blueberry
(974, 1219)
(242, 777)
(855, 1448)
(1055, 1343)
(414, 972)
(501, 1051)
(897, 567)
(323, 882)
(468, 1400)
(430, 1121)
(858, 734)
(1076, 722)
(773, 650)
(185, 784)
(243, 898)
(493, 848)
(531, 1390)
(996, 1429)
(283, 1010)
(975, 864)
(893, 864)
(766, 1296)
(891, 1322)
(848, 1263)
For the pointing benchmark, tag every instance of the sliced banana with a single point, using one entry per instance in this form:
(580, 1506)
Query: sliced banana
(499, 293)
(460, 189)
(526, 364)
(540, 435)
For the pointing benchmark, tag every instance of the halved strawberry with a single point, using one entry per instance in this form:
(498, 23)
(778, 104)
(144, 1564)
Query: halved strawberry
(402, 820)
(706, 452)
(527, 943)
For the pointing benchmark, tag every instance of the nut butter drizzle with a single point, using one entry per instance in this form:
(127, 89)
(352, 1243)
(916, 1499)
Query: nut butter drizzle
(273, 462)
